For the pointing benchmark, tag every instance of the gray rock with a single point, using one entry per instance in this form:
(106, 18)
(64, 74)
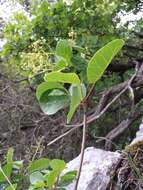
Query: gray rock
(139, 135)
(97, 168)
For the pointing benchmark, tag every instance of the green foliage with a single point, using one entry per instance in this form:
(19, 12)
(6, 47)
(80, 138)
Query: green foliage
(57, 165)
(10, 155)
(86, 24)
(68, 177)
(13, 187)
(54, 101)
(51, 102)
(47, 86)
(102, 59)
(61, 64)
(38, 174)
(18, 34)
(59, 42)
(40, 164)
(78, 22)
(36, 60)
(77, 93)
(71, 78)
(7, 170)
(63, 49)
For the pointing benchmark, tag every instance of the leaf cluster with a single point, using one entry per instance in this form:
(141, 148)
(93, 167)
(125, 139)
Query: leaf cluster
(40, 174)
(52, 94)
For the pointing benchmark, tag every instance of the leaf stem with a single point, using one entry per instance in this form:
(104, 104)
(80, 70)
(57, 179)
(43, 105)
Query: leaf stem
(89, 94)
(13, 188)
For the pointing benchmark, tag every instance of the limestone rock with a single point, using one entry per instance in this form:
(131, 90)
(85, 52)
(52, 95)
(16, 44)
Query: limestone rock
(97, 168)
(139, 135)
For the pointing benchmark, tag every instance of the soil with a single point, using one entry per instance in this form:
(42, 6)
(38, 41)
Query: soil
(24, 127)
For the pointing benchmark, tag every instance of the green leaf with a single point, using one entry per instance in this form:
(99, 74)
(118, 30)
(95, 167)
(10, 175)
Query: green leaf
(68, 178)
(39, 184)
(52, 103)
(78, 92)
(51, 178)
(50, 99)
(64, 50)
(7, 169)
(71, 78)
(18, 164)
(9, 156)
(60, 65)
(11, 188)
(58, 165)
(32, 187)
(36, 177)
(40, 164)
(101, 59)
(47, 86)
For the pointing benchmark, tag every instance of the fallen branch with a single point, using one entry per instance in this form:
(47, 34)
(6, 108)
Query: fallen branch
(121, 128)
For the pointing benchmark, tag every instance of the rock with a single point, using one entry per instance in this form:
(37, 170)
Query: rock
(97, 167)
(139, 135)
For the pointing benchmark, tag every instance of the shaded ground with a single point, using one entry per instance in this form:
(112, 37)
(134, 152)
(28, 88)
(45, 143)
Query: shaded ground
(24, 126)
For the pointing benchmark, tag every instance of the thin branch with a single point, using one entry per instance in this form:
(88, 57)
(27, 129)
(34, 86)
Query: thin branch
(30, 78)
(61, 136)
(96, 116)
(82, 147)
(89, 119)
(89, 93)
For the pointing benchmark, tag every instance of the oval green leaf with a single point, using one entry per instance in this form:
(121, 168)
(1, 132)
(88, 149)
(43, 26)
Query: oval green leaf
(38, 165)
(101, 59)
(64, 49)
(58, 165)
(60, 64)
(50, 178)
(71, 78)
(36, 177)
(68, 178)
(51, 103)
(47, 86)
